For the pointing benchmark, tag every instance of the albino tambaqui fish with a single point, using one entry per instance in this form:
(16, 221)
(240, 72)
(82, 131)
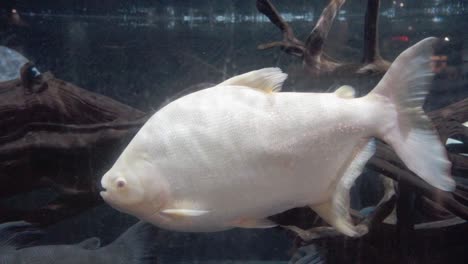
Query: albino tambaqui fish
(233, 154)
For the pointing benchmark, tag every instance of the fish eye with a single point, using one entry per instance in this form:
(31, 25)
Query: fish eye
(121, 183)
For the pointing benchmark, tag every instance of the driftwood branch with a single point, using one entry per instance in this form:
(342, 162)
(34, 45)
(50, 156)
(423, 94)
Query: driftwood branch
(290, 44)
(314, 59)
(316, 62)
(54, 134)
(371, 46)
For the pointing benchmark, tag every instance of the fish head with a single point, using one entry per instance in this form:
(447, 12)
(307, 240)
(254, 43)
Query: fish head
(123, 186)
(136, 184)
(121, 190)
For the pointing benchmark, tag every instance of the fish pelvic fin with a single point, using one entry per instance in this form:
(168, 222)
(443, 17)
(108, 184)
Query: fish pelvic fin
(268, 80)
(403, 90)
(254, 223)
(184, 208)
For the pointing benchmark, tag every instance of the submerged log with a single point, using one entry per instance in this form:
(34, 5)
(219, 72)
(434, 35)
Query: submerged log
(56, 135)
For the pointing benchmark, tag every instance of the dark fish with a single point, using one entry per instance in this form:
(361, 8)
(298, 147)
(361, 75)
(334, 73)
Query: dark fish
(132, 247)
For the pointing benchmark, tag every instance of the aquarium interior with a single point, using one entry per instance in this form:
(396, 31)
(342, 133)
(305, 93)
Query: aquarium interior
(145, 54)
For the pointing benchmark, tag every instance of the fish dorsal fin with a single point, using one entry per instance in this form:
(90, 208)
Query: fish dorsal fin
(267, 79)
(345, 91)
(90, 243)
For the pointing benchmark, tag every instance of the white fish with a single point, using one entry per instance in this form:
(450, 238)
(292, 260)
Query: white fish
(233, 154)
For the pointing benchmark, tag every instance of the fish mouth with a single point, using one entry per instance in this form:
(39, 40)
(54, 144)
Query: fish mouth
(103, 192)
(101, 188)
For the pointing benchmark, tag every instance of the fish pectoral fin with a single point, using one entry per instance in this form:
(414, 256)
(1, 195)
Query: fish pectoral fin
(254, 223)
(267, 79)
(184, 212)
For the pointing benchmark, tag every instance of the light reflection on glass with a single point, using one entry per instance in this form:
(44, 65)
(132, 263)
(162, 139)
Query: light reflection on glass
(437, 19)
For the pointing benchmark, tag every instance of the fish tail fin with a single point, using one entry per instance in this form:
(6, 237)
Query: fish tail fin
(137, 244)
(410, 133)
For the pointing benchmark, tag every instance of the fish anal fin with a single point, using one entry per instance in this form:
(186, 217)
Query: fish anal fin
(267, 80)
(254, 223)
(364, 150)
(336, 211)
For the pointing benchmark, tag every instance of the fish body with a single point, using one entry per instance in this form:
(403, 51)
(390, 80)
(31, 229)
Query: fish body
(281, 155)
(234, 154)
(133, 247)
